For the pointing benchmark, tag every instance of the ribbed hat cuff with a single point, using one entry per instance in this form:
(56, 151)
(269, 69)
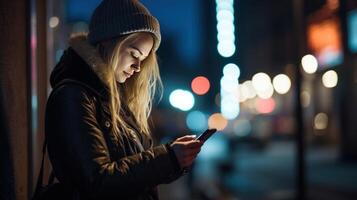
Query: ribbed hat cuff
(130, 24)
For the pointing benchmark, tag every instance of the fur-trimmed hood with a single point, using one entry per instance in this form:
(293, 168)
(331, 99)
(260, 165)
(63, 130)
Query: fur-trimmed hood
(87, 52)
(80, 62)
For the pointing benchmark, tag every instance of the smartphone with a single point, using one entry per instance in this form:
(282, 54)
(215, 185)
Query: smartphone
(205, 135)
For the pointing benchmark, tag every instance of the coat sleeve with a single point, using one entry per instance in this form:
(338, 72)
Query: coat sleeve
(79, 154)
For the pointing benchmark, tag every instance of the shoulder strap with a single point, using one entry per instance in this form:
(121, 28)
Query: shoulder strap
(40, 176)
(39, 183)
(52, 175)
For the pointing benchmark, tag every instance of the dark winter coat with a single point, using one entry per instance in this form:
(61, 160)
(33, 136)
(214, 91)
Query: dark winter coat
(86, 155)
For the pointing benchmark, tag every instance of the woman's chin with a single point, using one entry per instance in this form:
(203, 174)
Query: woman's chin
(121, 79)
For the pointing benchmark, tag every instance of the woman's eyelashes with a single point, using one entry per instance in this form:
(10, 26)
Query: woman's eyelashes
(135, 55)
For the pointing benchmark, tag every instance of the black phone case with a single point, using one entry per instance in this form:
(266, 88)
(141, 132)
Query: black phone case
(205, 135)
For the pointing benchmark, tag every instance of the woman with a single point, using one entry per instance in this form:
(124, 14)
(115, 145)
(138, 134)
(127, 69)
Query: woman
(97, 130)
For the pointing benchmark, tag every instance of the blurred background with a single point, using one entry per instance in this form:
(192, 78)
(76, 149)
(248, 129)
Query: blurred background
(277, 78)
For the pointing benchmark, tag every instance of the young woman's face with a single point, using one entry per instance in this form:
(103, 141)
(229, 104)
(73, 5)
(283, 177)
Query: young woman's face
(131, 54)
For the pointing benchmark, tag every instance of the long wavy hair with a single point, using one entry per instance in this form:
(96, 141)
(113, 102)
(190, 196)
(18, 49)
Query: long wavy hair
(138, 92)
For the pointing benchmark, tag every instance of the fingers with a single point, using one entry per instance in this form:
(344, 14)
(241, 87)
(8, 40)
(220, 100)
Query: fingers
(186, 149)
(186, 138)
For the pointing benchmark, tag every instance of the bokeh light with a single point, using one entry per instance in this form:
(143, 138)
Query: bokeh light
(182, 99)
(225, 15)
(224, 5)
(200, 85)
(330, 79)
(214, 148)
(261, 81)
(226, 36)
(267, 92)
(242, 127)
(225, 25)
(230, 106)
(281, 83)
(196, 121)
(309, 64)
(320, 121)
(225, 28)
(226, 49)
(242, 94)
(248, 89)
(217, 121)
(305, 98)
(231, 71)
(228, 85)
(265, 106)
(53, 22)
(58, 54)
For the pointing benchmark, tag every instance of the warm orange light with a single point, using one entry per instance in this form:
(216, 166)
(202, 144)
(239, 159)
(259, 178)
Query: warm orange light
(265, 106)
(324, 37)
(217, 121)
(200, 85)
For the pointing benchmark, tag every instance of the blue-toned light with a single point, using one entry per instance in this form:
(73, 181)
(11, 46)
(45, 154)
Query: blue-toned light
(214, 148)
(196, 121)
(242, 127)
(230, 107)
(231, 71)
(225, 15)
(224, 5)
(182, 99)
(227, 36)
(229, 85)
(58, 54)
(220, 1)
(225, 26)
(226, 49)
(352, 30)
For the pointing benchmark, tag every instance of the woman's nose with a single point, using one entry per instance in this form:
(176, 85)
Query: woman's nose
(136, 66)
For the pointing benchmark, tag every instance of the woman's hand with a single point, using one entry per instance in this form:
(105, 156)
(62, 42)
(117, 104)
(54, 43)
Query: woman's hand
(186, 149)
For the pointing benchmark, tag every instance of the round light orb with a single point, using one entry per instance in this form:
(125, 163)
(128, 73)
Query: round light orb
(330, 79)
(309, 64)
(281, 83)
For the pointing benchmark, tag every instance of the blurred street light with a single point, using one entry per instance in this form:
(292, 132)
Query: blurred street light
(53, 22)
(265, 106)
(231, 71)
(262, 85)
(330, 79)
(281, 83)
(182, 99)
(225, 28)
(217, 121)
(200, 85)
(305, 99)
(196, 121)
(320, 121)
(309, 64)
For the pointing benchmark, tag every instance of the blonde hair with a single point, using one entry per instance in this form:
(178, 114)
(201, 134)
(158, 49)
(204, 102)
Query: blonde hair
(137, 93)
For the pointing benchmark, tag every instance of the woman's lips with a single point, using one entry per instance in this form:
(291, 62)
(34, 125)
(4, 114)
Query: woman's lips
(127, 74)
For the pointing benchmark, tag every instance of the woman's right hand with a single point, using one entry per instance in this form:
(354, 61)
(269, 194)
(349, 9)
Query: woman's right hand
(186, 149)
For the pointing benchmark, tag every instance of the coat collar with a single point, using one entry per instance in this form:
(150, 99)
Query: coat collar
(89, 54)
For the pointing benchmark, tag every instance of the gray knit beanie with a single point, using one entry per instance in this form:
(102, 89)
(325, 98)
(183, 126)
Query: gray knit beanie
(114, 18)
